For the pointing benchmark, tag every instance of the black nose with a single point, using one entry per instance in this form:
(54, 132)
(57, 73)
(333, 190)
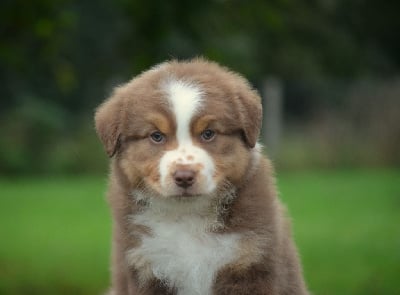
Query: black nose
(184, 178)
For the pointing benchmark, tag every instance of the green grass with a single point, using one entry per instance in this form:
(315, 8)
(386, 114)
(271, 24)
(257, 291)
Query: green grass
(55, 236)
(347, 226)
(56, 232)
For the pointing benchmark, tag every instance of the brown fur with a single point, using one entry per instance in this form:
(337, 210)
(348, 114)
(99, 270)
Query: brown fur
(267, 262)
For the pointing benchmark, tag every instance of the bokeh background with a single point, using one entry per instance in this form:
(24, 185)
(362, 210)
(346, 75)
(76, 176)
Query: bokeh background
(329, 74)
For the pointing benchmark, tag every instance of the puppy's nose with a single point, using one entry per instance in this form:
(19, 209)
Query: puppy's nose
(184, 178)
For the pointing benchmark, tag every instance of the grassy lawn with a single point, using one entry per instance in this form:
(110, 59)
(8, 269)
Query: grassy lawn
(55, 236)
(55, 232)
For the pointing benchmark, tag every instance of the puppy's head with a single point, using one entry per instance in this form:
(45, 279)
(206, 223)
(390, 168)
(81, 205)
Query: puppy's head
(181, 129)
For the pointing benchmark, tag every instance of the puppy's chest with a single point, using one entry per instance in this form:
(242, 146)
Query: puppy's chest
(182, 253)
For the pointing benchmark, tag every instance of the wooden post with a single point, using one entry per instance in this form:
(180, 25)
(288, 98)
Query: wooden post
(272, 93)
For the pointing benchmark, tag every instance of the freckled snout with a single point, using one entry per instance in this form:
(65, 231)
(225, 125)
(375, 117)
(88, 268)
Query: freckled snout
(184, 178)
(186, 171)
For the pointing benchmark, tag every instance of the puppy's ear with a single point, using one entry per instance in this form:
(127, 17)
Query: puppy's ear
(252, 116)
(108, 123)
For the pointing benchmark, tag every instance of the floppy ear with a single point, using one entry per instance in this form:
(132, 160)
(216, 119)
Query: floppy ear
(108, 123)
(252, 116)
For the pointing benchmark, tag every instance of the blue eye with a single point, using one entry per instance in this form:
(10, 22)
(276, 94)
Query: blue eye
(157, 137)
(208, 135)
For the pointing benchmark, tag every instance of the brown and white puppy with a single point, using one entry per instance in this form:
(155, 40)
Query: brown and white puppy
(194, 204)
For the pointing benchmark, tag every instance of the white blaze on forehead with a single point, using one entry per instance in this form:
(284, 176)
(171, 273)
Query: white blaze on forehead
(185, 99)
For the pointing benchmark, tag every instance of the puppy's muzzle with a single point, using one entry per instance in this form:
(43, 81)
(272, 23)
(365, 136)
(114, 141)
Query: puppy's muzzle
(184, 178)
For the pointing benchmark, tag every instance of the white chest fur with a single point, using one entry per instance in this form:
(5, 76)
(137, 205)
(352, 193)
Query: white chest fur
(181, 252)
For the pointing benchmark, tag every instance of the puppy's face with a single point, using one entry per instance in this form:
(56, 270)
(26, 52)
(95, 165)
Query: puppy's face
(181, 129)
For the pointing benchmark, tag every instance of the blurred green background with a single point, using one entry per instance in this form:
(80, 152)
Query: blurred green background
(329, 74)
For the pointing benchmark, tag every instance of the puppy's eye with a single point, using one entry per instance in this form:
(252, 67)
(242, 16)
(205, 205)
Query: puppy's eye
(157, 137)
(208, 135)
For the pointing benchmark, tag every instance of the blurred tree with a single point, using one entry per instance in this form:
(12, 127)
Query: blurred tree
(69, 53)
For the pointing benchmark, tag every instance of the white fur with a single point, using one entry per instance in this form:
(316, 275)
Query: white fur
(185, 100)
(187, 154)
(180, 250)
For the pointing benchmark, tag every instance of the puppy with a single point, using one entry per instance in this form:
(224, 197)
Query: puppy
(194, 204)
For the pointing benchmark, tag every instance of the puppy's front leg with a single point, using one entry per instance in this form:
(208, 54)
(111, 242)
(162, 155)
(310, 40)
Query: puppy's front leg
(155, 287)
(254, 280)
(125, 277)
(122, 280)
